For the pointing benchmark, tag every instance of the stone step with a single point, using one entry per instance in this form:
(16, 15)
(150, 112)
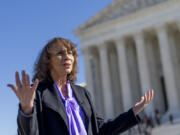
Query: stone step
(167, 129)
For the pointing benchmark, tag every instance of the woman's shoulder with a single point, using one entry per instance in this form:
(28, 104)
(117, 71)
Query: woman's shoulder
(81, 88)
(42, 86)
(78, 87)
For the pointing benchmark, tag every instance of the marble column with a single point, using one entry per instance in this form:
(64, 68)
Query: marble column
(87, 58)
(106, 83)
(168, 68)
(143, 68)
(123, 74)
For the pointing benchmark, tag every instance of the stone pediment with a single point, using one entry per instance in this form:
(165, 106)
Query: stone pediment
(116, 10)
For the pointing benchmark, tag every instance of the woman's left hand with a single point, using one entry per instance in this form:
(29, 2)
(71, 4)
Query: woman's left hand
(145, 100)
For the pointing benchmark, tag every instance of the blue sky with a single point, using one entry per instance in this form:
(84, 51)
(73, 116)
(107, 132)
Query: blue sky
(25, 27)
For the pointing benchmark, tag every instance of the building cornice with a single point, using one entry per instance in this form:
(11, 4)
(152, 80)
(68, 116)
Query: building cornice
(118, 9)
(145, 18)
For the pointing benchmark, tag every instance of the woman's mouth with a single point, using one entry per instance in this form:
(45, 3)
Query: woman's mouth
(67, 65)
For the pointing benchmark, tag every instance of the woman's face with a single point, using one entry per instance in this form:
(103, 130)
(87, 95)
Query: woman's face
(61, 60)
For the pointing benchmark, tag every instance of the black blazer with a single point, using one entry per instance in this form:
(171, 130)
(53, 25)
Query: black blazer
(49, 115)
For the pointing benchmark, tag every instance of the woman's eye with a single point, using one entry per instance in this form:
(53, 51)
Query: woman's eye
(70, 52)
(59, 53)
(64, 53)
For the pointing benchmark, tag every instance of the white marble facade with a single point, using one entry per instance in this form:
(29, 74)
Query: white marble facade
(129, 47)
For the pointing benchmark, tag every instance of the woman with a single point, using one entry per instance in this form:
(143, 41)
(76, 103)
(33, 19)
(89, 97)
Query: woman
(55, 105)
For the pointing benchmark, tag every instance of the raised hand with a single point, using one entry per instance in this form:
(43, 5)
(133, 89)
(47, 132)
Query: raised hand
(24, 91)
(145, 100)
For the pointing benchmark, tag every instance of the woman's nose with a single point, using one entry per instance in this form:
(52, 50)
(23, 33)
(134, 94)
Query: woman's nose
(66, 56)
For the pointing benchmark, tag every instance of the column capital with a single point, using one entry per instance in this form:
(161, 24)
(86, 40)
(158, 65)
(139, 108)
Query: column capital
(85, 50)
(102, 45)
(103, 49)
(118, 40)
(160, 28)
(138, 35)
(139, 40)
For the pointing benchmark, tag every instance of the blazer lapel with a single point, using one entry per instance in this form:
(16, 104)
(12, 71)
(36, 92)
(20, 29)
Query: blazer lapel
(81, 98)
(51, 99)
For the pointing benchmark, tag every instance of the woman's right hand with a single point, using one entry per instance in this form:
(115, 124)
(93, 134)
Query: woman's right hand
(25, 92)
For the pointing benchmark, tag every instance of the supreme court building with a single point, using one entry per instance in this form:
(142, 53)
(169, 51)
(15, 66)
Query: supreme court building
(129, 47)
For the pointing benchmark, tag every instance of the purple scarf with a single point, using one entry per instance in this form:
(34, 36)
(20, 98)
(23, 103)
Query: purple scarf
(76, 125)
